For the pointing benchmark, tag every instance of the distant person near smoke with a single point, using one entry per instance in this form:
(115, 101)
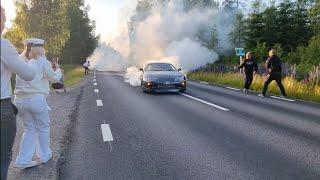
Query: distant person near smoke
(86, 66)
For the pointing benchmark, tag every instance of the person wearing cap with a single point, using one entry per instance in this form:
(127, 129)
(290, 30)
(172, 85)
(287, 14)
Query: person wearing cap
(10, 63)
(25, 54)
(30, 98)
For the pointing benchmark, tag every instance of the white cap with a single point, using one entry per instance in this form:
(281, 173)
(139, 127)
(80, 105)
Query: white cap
(33, 41)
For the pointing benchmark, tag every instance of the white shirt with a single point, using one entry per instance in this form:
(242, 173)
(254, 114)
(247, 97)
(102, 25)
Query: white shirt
(86, 64)
(40, 83)
(12, 63)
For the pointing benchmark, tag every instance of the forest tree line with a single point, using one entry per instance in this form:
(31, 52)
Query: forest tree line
(292, 27)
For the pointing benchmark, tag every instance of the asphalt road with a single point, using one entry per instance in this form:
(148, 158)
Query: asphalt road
(212, 133)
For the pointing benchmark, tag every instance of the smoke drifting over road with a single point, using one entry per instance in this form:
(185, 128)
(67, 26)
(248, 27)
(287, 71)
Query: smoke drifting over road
(105, 58)
(168, 33)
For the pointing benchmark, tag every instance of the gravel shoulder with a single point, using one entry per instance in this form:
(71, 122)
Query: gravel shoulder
(63, 107)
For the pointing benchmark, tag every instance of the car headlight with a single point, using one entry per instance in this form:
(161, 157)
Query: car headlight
(148, 79)
(179, 79)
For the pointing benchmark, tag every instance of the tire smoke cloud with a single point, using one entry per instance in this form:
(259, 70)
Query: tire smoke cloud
(167, 33)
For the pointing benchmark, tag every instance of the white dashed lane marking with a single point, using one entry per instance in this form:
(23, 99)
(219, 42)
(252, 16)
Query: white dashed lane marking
(96, 90)
(95, 84)
(236, 89)
(99, 102)
(205, 102)
(106, 132)
(202, 82)
(282, 98)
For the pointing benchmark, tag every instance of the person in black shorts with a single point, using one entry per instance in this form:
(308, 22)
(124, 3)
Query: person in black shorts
(275, 73)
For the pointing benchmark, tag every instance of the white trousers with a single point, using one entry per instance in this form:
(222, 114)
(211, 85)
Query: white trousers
(34, 114)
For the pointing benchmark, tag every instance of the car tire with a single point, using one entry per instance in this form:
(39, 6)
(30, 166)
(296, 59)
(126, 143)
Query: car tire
(182, 90)
(142, 88)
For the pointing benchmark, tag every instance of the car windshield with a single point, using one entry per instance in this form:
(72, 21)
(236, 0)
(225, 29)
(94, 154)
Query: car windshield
(160, 67)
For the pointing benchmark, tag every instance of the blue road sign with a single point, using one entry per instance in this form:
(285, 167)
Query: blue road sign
(240, 51)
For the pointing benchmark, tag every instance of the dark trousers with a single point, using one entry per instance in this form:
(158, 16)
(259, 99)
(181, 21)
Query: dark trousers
(8, 134)
(249, 79)
(277, 77)
(86, 70)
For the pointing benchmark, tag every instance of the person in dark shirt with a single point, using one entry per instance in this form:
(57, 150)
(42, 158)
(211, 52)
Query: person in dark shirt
(275, 72)
(250, 67)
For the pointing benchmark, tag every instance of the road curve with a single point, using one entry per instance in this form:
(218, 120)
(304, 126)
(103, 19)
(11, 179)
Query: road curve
(171, 136)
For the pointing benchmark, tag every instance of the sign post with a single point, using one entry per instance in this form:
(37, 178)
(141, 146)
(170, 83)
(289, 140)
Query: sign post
(240, 52)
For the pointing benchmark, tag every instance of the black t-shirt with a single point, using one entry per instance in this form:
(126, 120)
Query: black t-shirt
(274, 63)
(249, 65)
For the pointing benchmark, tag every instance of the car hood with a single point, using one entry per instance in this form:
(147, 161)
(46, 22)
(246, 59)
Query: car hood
(163, 74)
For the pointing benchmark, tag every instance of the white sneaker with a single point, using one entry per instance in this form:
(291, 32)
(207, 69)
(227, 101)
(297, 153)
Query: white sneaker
(244, 90)
(45, 160)
(24, 166)
(261, 95)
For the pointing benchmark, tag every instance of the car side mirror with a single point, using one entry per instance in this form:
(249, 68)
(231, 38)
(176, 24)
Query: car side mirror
(179, 69)
(140, 69)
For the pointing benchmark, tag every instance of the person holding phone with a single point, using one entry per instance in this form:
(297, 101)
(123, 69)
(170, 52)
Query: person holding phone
(30, 98)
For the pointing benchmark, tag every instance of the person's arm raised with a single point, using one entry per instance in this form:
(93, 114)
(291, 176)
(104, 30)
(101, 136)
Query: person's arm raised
(14, 63)
(53, 76)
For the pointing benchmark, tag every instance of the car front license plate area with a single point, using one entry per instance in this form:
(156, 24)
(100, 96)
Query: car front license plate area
(166, 86)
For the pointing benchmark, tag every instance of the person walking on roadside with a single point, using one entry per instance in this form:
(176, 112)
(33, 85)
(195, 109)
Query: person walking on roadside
(86, 66)
(30, 98)
(250, 68)
(274, 73)
(10, 63)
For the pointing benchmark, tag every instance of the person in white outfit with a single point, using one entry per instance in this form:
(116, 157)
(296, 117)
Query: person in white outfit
(86, 66)
(30, 99)
(10, 63)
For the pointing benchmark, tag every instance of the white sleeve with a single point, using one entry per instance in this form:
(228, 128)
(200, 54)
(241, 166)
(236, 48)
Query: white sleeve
(53, 76)
(14, 63)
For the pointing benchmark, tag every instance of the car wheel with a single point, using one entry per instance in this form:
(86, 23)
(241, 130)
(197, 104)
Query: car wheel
(143, 89)
(182, 90)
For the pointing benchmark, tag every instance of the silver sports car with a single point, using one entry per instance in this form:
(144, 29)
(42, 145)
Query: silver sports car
(162, 77)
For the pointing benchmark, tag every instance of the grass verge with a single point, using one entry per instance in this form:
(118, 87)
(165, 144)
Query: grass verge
(293, 87)
(73, 74)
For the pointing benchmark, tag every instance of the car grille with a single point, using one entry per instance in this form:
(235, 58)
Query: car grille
(167, 79)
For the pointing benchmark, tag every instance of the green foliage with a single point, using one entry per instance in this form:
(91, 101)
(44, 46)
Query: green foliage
(287, 25)
(315, 17)
(260, 52)
(292, 28)
(312, 52)
(82, 41)
(64, 25)
(238, 35)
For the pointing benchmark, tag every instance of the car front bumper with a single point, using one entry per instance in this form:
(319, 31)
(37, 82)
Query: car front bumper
(164, 87)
